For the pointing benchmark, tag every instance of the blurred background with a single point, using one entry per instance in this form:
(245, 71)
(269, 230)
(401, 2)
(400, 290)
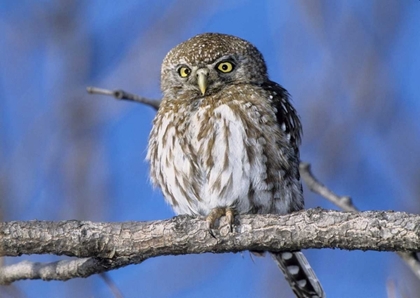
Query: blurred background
(352, 67)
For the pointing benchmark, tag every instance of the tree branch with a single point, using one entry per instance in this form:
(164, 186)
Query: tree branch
(345, 203)
(113, 245)
(61, 270)
(121, 94)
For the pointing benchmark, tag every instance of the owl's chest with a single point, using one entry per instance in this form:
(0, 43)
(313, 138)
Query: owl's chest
(213, 131)
(217, 155)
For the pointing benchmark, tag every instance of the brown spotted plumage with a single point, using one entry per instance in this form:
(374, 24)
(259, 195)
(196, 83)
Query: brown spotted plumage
(226, 140)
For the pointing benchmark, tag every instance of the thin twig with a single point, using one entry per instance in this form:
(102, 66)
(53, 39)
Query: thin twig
(121, 94)
(412, 261)
(345, 203)
(391, 288)
(112, 286)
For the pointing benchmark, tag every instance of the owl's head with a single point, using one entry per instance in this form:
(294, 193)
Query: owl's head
(206, 63)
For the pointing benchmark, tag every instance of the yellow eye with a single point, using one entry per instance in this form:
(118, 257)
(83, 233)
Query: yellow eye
(184, 71)
(225, 67)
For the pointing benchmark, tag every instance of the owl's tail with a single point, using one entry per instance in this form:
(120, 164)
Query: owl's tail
(299, 274)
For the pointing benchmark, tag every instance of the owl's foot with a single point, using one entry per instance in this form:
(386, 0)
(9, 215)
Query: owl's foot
(217, 213)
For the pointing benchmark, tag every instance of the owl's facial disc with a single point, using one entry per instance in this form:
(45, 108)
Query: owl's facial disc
(202, 79)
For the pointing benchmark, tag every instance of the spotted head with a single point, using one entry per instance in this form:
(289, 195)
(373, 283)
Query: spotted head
(207, 63)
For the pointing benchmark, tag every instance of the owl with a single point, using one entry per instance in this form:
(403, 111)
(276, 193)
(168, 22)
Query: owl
(225, 141)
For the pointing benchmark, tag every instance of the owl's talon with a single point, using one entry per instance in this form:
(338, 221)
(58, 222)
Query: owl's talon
(216, 213)
(230, 214)
(211, 232)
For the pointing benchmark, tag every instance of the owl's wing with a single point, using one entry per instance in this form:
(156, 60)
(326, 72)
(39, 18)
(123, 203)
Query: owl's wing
(294, 265)
(287, 117)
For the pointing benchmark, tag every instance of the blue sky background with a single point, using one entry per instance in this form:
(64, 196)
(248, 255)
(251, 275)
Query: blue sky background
(352, 67)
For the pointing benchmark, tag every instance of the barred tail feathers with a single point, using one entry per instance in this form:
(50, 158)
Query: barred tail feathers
(299, 274)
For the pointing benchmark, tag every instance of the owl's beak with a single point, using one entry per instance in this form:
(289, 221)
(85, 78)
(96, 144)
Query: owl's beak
(202, 80)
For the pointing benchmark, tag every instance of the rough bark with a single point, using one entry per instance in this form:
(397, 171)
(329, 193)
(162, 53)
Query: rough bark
(112, 245)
